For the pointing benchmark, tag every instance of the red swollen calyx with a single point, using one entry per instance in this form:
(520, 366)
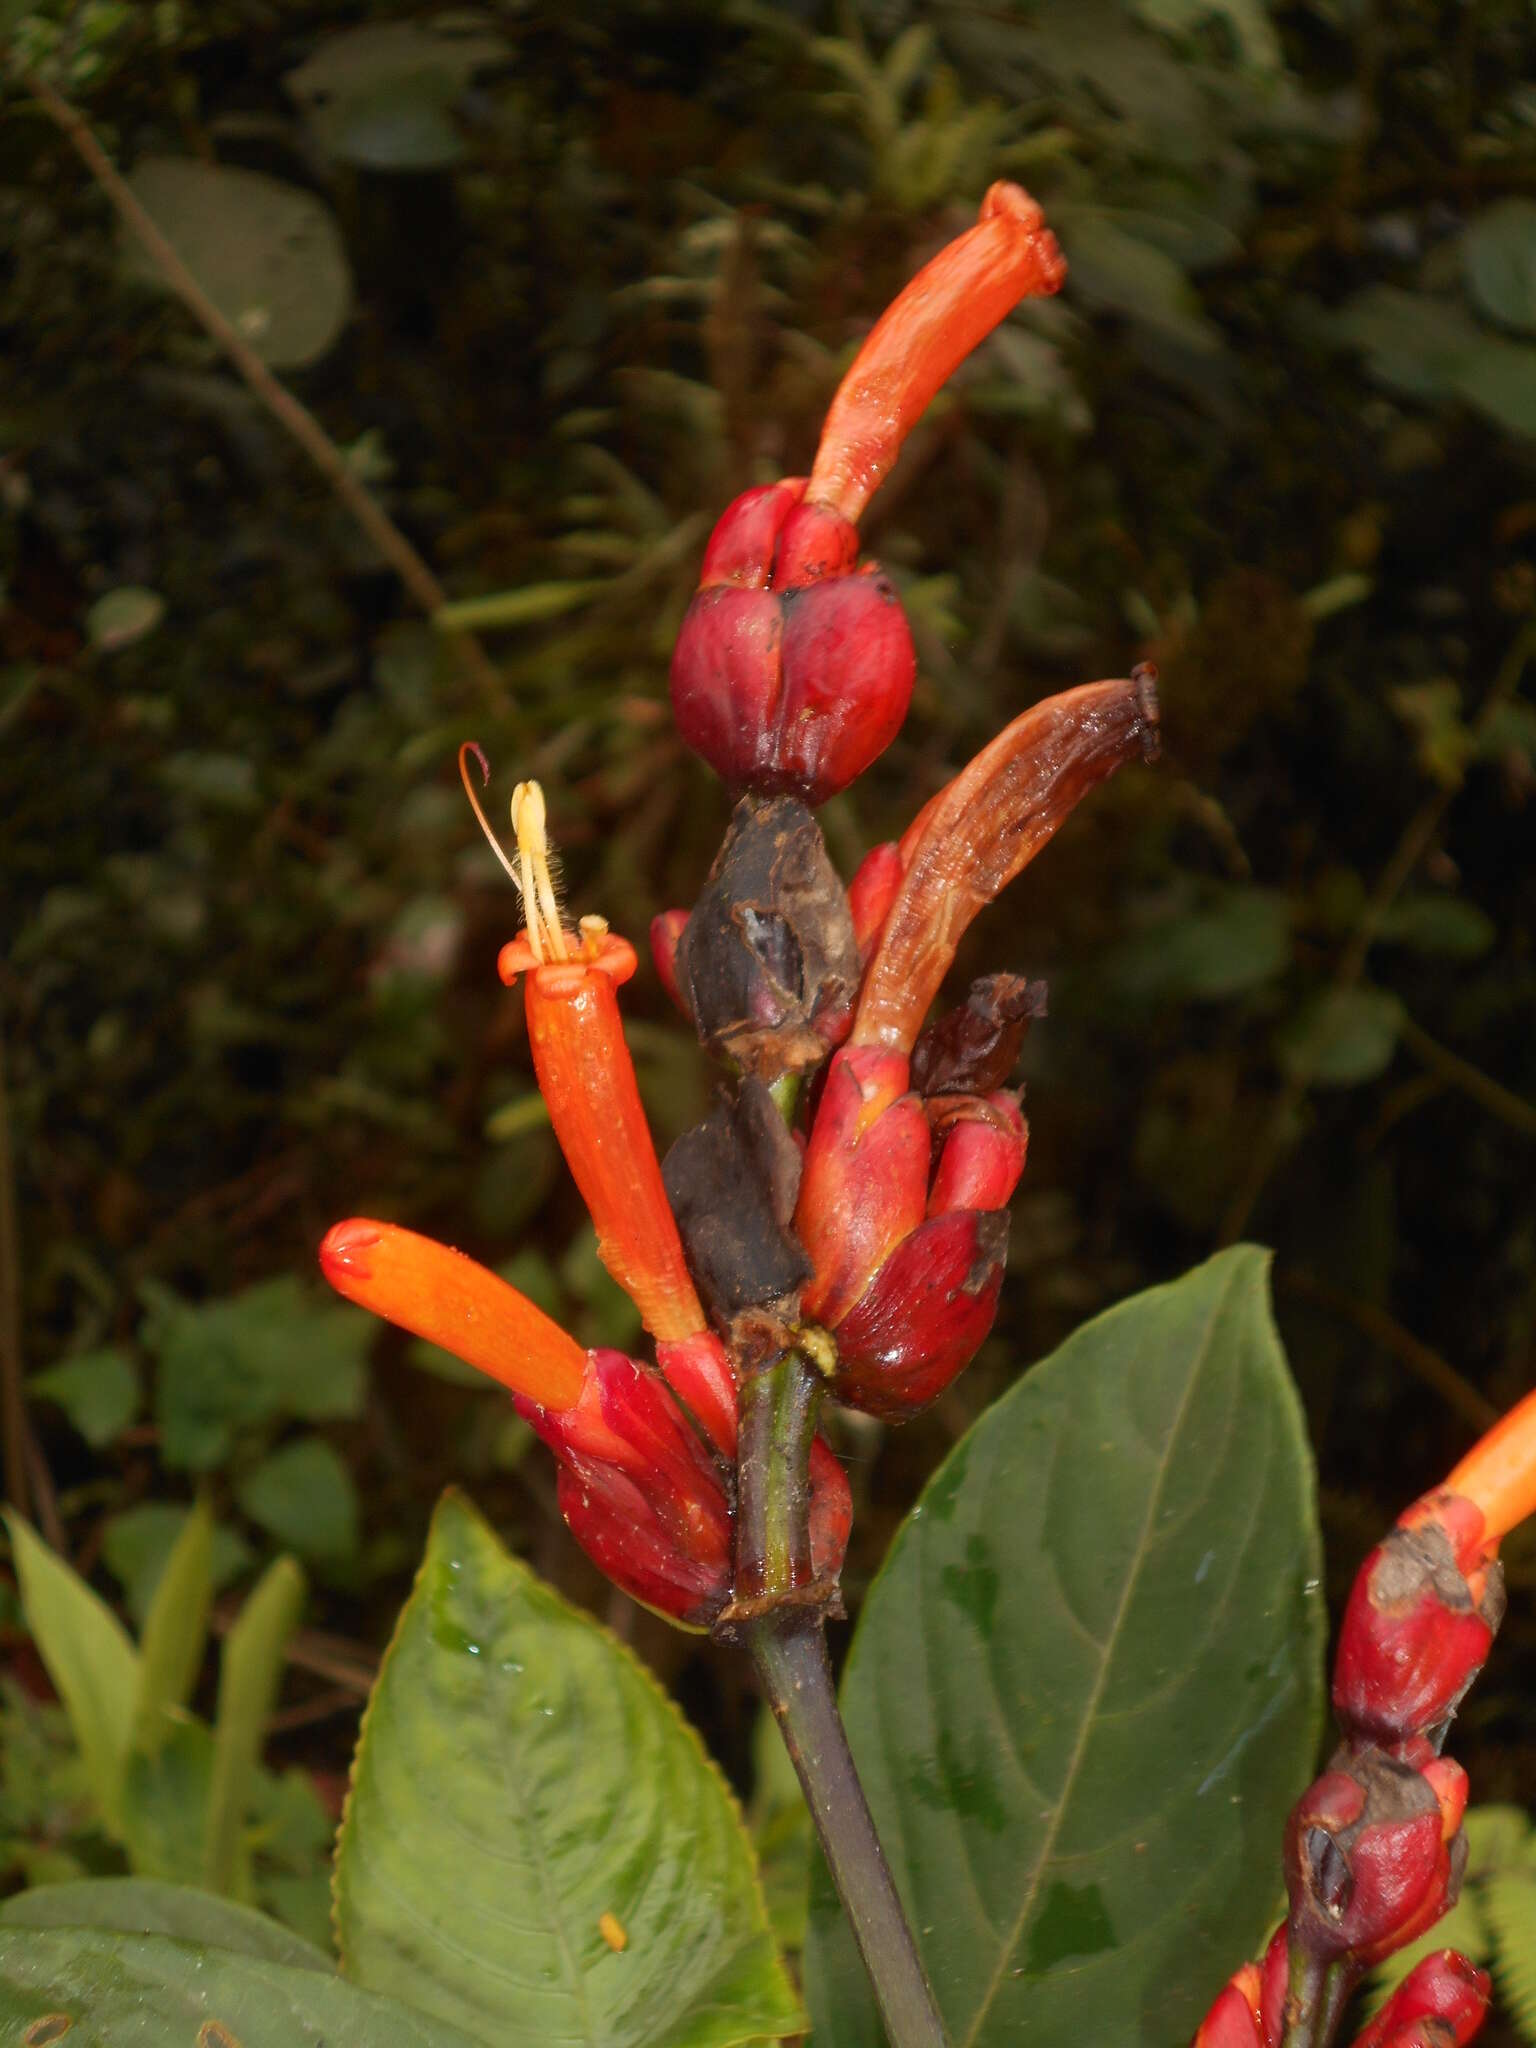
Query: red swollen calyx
(794, 666)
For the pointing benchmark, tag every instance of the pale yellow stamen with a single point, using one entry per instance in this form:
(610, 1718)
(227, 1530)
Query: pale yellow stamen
(541, 906)
(594, 930)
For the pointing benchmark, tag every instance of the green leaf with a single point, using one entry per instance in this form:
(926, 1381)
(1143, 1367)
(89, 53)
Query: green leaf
(249, 1673)
(1237, 941)
(136, 1545)
(304, 1496)
(121, 616)
(1447, 925)
(175, 1630)
(275, 1350)
(98, 1390)
(520, 1775)
(781, 1834)
(1342, 1037)
(1428, 348)
(269, 256)
(525, 606)
(93, 1665)
(117, 1988)
(382, 95)
(1087, 1682)
(1116, 270)
(138, 1905)
(1499, 250)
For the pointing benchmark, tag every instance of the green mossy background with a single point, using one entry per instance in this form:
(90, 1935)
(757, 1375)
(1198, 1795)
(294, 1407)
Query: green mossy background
(569, 278)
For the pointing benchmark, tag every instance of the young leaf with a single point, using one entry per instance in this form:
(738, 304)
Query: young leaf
(140, 1905)
(98, 1391)
(274, 1350)
(304, 1496)
(175, 1631)
(147, 1987)
(89, 1657)
(249, 1673)
(1086, 1684)
(520, 1777)
(136, 1547)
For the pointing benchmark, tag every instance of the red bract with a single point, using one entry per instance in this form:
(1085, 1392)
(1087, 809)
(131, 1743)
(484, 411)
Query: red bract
(1233, 2021)
(1373, 1855)
(1415, 1634)
(794, 666)
(1444, 1988)
(639, 1491)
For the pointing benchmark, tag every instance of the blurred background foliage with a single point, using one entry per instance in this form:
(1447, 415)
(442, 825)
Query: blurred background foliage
(558, 282)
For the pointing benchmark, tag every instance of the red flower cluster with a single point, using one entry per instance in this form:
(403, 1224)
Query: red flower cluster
(1374, 1851)
(875, 1240)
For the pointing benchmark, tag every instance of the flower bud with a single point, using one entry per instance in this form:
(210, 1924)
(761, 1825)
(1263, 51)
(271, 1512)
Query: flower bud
(1444, 1989)
(908, 1258)
(1373, 1855)
(1415, 1634)
(794, 666)
(731, 1182)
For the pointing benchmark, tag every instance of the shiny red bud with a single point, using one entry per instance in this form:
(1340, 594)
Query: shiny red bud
(1416, 1632)
(1444, 1987)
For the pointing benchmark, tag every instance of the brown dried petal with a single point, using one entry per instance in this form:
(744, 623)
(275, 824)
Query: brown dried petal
(973, 1050)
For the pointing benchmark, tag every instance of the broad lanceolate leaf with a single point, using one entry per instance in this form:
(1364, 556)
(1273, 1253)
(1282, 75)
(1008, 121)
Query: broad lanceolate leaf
(520, 1777)
(117, 1988)
(136, 1905)
(1085, 1688)
(89, 1658)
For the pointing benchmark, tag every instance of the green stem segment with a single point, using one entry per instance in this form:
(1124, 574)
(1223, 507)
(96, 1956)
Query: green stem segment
(788, 1644)
(1318, 1993)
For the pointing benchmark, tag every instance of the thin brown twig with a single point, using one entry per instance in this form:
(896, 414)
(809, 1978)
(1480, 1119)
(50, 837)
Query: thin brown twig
(1421, 1359)
(296, 419)
(1455, 1072)
(1416, 839)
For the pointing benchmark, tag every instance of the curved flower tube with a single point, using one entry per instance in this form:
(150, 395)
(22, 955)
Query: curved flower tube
(638, 1488)
(794, 667)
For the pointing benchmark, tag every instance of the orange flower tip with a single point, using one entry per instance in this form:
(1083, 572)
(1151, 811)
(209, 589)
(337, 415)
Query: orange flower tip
(1498, 1475)
(346, 1253)
(591, 946)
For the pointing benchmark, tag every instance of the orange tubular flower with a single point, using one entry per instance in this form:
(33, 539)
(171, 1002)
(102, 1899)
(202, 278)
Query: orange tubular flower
(922, 338)
(450, 1300)
(637, 1487)
(570, 983)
